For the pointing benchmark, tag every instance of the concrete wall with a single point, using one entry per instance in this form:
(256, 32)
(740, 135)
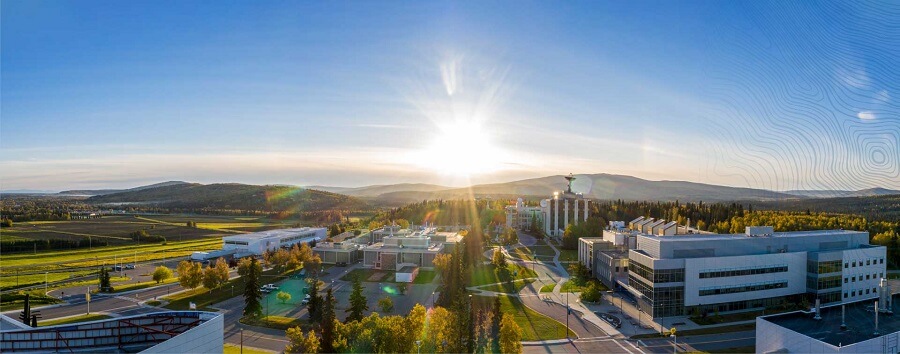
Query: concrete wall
(208, 337)
(795, 277)
(772, 338)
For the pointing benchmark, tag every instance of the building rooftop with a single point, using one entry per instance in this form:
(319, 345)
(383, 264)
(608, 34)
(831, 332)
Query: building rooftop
(859, 318)
(271, 233)
(743, 236)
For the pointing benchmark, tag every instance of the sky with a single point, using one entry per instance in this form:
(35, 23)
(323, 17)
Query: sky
(761, 94)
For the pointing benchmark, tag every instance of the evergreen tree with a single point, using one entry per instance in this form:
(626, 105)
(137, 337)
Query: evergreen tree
(105, 283)
(357, 302)
(252, 294)
(315, 301)
(328, 323)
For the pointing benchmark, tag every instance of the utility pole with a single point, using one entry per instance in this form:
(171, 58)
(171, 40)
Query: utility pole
(568, 311)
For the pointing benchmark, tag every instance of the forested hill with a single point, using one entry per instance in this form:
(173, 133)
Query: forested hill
(233, 196)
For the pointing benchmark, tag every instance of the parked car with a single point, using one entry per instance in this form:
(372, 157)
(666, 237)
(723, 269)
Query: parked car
(129, 266)
(271, 286)
(304, 301)
(265, 290)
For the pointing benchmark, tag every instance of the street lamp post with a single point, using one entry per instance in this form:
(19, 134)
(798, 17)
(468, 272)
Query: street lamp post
(242, 341)
(45, 282)
(568, 310)
(674, 343)
(418, 346)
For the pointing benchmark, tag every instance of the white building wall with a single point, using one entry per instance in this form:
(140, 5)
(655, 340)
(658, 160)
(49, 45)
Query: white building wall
(795, 277)
(772, 338)
(208, 337)
(875, 270)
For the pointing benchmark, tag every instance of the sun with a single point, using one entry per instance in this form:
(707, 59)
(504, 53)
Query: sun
(461, 148)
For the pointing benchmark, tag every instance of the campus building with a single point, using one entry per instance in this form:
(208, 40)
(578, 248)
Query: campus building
(573, 206)
(866, 326)
(521, 217)
(160, 332)
(257, 243)
(345, 248)
(703, 273)
(416, 249)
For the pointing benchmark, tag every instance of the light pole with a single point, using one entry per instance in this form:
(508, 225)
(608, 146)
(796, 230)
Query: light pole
(674, 343)
(568, 310)
(242, 341)
(45, 282)
(418, 346)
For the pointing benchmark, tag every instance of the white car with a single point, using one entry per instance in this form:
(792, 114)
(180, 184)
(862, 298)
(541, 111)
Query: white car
(304, 301)
(271, 286)
(307, 297)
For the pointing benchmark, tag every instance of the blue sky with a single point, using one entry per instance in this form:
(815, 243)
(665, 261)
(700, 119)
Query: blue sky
(752, 94)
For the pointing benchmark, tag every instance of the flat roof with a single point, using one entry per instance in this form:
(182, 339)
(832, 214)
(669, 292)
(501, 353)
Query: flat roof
(279, 233)
(407, 269)
(859, 318)
(743, 236)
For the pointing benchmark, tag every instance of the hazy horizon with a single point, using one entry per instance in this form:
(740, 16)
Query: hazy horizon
(785, 96)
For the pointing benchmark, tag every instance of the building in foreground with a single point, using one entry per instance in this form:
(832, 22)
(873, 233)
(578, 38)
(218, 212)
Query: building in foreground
(160, 332)
(257, 243)
(521, 216)
(705, 273)
(414, 249)
(847, 328)
(567, 203)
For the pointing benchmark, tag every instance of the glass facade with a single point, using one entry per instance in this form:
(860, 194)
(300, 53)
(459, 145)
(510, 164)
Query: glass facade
(743, 288)
(657, 275)
(823, 267)
(737, 272)
(659, 301)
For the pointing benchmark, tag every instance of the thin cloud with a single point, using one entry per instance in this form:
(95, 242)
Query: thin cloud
(866, 115)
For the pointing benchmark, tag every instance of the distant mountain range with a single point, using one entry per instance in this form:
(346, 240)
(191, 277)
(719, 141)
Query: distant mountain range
(842, 194)
(597, 186)
(231, 196)
(92, 192)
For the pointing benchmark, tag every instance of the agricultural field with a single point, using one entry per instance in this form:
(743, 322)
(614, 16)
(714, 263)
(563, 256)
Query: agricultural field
(114, 230)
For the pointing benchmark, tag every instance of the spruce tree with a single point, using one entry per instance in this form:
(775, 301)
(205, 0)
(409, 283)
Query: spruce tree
(357, 302)
(315, 301)
(328, 319)
(252, 294)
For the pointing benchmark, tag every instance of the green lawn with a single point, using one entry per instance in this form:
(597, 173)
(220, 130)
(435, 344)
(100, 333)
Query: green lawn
(203, 297)
(701, 331)
(522, 253)
(548, 288)
(568, 255)
(74, 319)
(535, 326)
(141, 285)
(276, 322)
(16, 300)
(425, 277)
(486, 275)
(236, 349)
(370, 275)
(509, 287)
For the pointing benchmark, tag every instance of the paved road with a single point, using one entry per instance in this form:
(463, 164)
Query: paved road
(702, 342)
(598, 345)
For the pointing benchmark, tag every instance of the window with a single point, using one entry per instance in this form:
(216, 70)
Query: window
(845, 294)
(868, 262)
(867, 291)
(617, 269)
(882, 261)
(853, 293)
(853, 279)
(743, 288)
(854, 264)
(845, 280)
(846, 265)
(874, 290)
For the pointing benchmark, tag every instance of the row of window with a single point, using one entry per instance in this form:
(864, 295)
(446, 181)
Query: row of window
(853, 278)
(293, 238)
(744, 288)
(242, 243)
(868, 262)
(854, 292)
(823, 267)
(824, 282)
(743, 271)
(657, 275)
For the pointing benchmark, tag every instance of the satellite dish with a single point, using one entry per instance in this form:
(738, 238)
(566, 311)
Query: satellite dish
(544, 203)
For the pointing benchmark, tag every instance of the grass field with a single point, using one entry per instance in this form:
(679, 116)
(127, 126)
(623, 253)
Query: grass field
(276, 322)
(535, 326)
(486, 275)
(568, 255)
(509, 287)
(236, 349)
(548, 288)
(141, 285)
(74, 319)
(203, 297)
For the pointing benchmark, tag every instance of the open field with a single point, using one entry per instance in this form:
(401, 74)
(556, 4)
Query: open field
(236, 349)
(510, 287)
(74, 319)
(112, 229)
(486, 275)
(535, 326)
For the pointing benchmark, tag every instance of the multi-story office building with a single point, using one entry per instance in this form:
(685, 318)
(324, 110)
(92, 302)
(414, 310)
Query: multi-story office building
(685, 274)
(521, 216)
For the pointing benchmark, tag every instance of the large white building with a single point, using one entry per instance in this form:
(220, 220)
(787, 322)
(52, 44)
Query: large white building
(521, 217)
(258, 243)
(160, 332)
(572, 206)
(843, 328)
(684, 274)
